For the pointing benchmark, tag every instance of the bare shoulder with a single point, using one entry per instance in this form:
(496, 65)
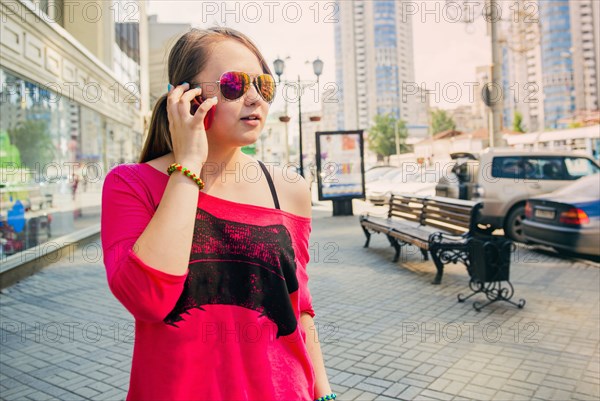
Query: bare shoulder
(293, 191)
(162, 162)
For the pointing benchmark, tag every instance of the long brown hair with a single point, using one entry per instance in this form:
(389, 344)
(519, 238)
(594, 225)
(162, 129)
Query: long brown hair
(187, 59)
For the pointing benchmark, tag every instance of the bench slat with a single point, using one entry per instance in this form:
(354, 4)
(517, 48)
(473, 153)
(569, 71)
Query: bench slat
(447, 215)
(409, 210)
(416, 219)
(453, 202)
(406, 206)
(453, 229)
(423, 244)
(455, 208)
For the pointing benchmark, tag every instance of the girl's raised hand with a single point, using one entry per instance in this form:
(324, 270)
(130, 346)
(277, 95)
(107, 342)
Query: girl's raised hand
(188, 135)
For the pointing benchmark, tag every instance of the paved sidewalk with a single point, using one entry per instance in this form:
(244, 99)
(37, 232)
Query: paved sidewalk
(386, 332)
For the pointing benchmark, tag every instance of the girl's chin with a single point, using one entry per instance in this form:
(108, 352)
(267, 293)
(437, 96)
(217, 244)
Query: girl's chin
(238, 137)
(245, 139)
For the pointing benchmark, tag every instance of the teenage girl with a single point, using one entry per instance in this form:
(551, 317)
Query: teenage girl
(206, 247)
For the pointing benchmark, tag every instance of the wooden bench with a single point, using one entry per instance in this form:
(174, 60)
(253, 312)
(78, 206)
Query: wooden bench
(439, 226)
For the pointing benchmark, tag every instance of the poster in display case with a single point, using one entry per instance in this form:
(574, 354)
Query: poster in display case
(340, 167)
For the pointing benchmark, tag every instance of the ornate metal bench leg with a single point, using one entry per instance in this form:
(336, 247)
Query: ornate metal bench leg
(438, 265)
(425, 254)
(368, 235)
(396, 246)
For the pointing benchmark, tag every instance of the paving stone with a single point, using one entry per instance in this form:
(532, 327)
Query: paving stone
(382, 373)
(454, 387)
(439, 384)
(86, 392)
(429, 394)
(378, 382)
(410, 393)
(477, 392)
(353, 380)
(370, 388)
(395, 389)
(352, 394)
(340, 377)
(397, 375)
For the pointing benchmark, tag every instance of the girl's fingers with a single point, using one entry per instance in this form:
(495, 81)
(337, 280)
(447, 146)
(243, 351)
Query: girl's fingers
(185, 101)
(205, 107)
(176, 93)
(190, 94)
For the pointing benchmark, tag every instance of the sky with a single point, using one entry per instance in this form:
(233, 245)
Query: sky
(445, 49)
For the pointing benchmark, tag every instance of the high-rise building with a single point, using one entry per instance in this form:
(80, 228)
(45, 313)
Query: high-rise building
(557, 61)
(551, 63)
(374, 59)
(522, 83)
(570, 51)
(585, 52)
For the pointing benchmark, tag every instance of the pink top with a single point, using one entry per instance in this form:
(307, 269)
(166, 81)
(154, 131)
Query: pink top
(228, 329)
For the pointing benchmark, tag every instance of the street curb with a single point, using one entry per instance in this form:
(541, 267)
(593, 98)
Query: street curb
(24, 264)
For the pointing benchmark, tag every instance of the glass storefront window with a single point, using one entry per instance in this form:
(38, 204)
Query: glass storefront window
(53, 161)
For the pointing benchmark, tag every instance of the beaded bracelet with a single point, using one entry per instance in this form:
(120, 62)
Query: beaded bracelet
(331, 396)
(187, 172)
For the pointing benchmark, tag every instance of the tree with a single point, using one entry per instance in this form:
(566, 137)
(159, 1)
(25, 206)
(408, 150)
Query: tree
(518, 122)
(382, 136)
(441, 121)
(32, 139)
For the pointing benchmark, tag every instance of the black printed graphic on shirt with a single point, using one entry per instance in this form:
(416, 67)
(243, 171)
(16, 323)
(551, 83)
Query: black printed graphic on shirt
(240, 264)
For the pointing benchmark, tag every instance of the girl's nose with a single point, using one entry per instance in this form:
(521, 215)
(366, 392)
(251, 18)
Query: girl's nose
(252, 95)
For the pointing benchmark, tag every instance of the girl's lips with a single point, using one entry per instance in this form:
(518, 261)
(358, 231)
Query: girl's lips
(253, 123)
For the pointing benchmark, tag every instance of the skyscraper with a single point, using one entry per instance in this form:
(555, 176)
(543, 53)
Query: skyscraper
(557, 61)
(551, 65)
(374, 58)
(522, 69)
(585, 25)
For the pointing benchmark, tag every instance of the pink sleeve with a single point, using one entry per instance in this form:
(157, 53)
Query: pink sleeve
(301, 238)
(147, 293)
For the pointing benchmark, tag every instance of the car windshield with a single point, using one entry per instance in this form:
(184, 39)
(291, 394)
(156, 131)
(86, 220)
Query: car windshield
(584, 187)
(579, 166)
(390, 175)
(377, 173)
(414, 177)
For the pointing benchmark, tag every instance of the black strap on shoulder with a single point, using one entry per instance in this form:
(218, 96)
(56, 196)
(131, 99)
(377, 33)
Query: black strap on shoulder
(271, 185)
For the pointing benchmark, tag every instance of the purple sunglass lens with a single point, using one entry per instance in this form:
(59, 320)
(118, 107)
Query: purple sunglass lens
(234, 85)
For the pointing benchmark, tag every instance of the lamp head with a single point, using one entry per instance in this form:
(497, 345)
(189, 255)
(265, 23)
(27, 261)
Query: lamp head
(318, 66)
(278, 66)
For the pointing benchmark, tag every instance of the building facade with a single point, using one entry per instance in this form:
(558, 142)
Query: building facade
(73, 101)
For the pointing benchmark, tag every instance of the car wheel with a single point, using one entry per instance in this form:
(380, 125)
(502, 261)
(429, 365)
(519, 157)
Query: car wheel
(513, 227)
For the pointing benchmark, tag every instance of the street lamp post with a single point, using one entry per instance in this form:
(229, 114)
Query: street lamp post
(279, 66)
(264, 136)
(493, 17)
